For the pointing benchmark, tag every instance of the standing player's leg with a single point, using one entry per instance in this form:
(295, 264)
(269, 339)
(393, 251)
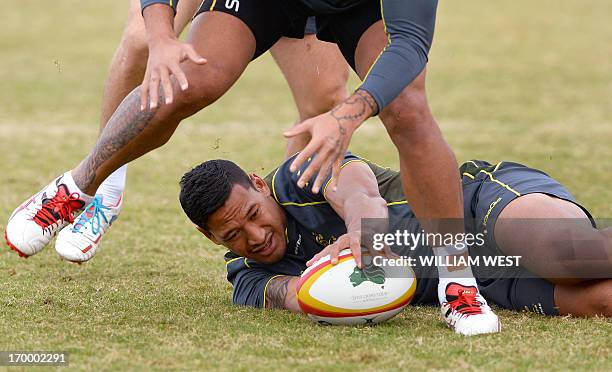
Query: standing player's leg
(317, 75)
(229, 46)
(428, 167)
(79, 241)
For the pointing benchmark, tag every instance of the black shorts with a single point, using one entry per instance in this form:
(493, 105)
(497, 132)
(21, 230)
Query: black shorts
(488, 189)
(269, 20)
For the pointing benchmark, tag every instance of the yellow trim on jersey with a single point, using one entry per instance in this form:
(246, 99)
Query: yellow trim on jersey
(469, 175)
(497, 166)
(266, 288)
(246, 263)
(274, 185)
(476, 165)
(232, 260)
(341, 167)
(397, 203)
(212, 6)
(304, 204)
(171, 6)
(290, 203)
(500, 183)
(372, 162)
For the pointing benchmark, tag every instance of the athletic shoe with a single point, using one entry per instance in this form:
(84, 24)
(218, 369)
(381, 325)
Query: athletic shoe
(80, 241)
(467, 312)
(35, 222)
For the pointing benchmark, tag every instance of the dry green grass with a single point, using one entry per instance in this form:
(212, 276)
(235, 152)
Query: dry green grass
(516, 80)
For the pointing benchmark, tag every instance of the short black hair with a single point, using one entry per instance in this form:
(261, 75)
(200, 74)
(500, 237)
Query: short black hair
(205, 188)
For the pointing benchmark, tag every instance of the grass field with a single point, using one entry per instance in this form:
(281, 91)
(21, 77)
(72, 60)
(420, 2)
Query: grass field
(515, 80)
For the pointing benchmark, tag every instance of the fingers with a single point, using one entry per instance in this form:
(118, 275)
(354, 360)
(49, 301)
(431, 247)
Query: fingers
(144, 92)
(336, 172)
(312, 169)
(297, 130)
(303, 156)
(180, 76)
(193, 55)
(334, 253)
(154, 90)
(167, 87)
(333, 250)
(389, 253)
(314, 259)
(321, 176)
(355, 246)
(317, 257)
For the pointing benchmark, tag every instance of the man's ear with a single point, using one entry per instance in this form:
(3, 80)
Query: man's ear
(208, 234)
(259, 184)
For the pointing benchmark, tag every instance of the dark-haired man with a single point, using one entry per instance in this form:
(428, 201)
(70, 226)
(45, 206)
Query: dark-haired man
(274, 229)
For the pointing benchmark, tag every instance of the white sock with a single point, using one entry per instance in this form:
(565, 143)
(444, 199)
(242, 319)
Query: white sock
(72, 187)
(463, 276)
(113, 186)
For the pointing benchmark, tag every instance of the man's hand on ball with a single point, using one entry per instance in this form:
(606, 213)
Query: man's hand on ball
(351, 240)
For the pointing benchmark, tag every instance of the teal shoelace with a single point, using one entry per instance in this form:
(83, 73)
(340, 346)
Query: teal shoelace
(93, 215)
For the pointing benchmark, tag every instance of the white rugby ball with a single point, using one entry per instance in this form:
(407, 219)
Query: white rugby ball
(345, 294)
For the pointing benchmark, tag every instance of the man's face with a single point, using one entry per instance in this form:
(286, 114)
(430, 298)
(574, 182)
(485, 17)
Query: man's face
(250, 224)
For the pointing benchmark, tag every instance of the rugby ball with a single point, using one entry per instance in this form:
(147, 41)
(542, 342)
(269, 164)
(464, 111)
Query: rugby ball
(344, 294)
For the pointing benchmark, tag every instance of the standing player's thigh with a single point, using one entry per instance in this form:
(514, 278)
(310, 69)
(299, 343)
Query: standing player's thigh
(265, 20)
(228, 45)
(315, 71)
(184, 13)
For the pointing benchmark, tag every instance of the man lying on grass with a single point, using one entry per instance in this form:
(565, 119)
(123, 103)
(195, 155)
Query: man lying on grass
(275, 229)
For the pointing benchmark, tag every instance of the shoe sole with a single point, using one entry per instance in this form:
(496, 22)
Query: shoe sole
(12, 247)
(499, 328)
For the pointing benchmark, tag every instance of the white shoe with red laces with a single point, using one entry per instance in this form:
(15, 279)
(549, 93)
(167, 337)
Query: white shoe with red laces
(80, 241)
(35, 222)
(467, 312)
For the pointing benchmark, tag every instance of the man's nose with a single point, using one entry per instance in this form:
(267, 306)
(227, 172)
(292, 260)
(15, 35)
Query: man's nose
(256, 234)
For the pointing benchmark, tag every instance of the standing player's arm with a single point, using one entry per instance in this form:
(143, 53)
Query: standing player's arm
(281, 293)
(409, 26)
(166, 53)
(356, 197)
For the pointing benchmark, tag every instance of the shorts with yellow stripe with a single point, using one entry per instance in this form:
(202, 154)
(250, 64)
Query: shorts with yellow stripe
(488, 189)
(269, 20)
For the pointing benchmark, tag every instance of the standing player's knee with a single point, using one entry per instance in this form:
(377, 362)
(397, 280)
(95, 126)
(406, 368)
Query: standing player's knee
(133, 49)
(206, 85)
(408, 120)
(326, 94)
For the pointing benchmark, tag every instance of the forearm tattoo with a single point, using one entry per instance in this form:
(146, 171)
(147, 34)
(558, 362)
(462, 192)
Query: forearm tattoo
(362, 106)
(127, 122)
(369, 100)
(276, 293)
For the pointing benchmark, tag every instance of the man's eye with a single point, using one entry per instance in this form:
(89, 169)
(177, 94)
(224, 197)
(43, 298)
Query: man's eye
(232, 236)
(255, 214)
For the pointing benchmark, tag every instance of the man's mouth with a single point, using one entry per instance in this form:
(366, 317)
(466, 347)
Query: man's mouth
(267, 248)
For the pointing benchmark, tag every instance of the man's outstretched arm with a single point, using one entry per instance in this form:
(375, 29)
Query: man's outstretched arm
(357, 197)
(280, 293)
